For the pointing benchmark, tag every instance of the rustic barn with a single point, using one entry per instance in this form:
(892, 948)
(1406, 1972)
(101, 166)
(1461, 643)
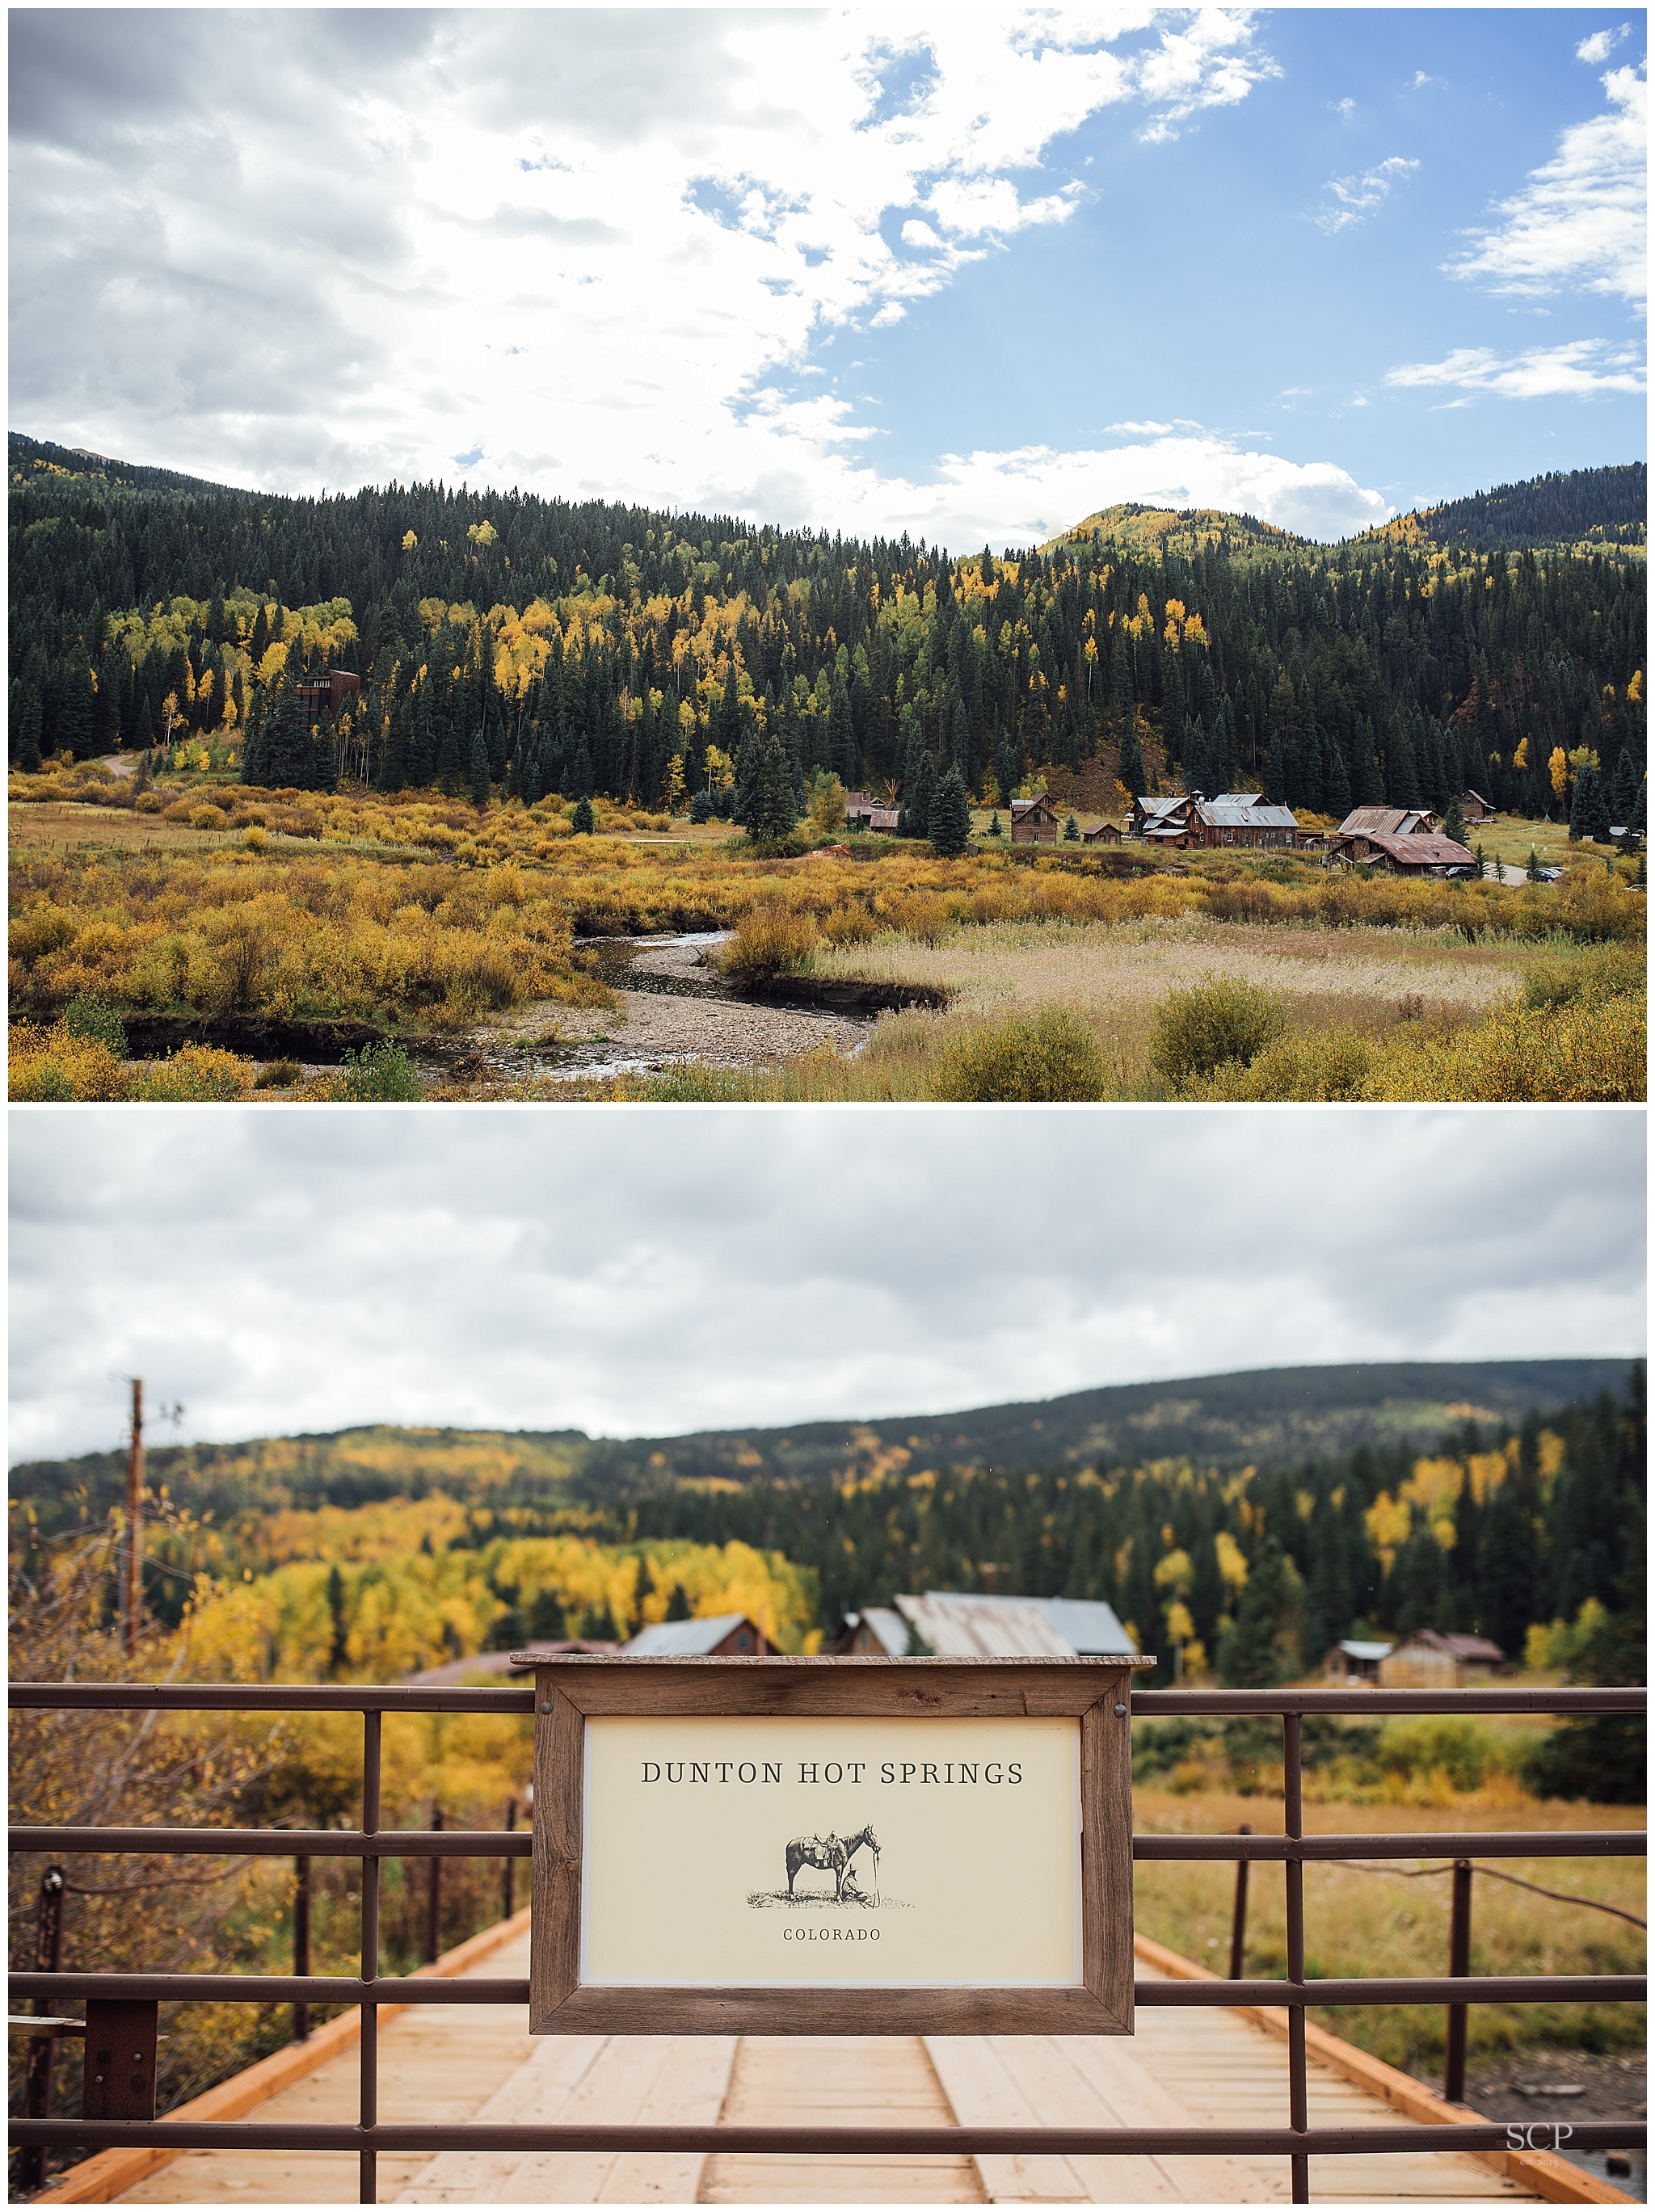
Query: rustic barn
(1389, 821)
(1404, 856)
(1353, 1660)
(861, 807)
(1475, 807)
(1427, 1661)
(1234, 819)
(1091, 1627)
(720, 1636)
(1156, 817)
(1034, 821)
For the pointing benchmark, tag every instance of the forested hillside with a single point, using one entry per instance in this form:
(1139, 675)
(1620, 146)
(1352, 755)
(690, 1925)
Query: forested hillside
(1261, 1417)
(516, 645)
(1609, 506)
(419, 1545)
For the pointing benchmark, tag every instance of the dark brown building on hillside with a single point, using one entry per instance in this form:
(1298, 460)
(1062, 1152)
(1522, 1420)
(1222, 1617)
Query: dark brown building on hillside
(1034, 821)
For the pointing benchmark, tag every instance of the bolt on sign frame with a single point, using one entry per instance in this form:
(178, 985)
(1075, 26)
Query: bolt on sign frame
(373, 1844)
(790, 1727)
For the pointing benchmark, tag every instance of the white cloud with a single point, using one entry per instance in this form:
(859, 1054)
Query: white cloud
(1600, 45)
(1582, 219)
(1576, 370)
(668, 1269)
(602, 246)
(1354, 198)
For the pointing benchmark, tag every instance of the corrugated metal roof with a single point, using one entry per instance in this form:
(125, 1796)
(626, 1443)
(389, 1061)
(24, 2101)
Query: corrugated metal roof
(682, 1639)
(1234, 814)
(1422, 852)
(1383, 821)
(969, 1628)
(1358, 1650)
(1092, 1628)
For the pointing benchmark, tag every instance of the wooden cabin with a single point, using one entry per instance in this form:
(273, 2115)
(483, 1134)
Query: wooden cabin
(719, 1636)
(1034, 821)
(1434, 855)
(1102, 833)
(1475, 807)
(1426, 1661)
(1353, 1660)
(1389, 821)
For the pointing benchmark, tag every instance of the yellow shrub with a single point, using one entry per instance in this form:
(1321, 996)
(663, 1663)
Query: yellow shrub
(768, 942)
(207, 817)
(196, 1073)
(56, 1064)
(1052, 1057)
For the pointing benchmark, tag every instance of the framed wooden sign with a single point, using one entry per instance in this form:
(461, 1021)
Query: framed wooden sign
(832, 1846)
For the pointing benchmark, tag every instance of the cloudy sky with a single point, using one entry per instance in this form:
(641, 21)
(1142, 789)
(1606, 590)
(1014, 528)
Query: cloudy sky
(639, 1271)
(970, 274)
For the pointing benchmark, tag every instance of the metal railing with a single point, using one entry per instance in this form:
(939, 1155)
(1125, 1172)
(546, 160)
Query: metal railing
(130, 2000)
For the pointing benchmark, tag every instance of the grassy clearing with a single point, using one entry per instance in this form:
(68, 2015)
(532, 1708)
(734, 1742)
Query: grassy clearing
(427, 913)
(1359, 1922)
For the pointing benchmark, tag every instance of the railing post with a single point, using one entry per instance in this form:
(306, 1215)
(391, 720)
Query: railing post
(506, 1885)
(368, 2112)
(1293, 1821)
(43, 2049)
(1459, 1962)
(119, 2080)
(434, 1901)
(301, 1943)
(1238, 1916)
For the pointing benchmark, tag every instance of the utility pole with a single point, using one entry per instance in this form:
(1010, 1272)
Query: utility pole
(134, 1599)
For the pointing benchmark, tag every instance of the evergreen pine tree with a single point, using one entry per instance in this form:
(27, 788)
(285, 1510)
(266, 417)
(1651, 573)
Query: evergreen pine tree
(480, 784)
(1453, 822)
(1006, 772)
(1130, 772)
(546, 1621)
(644, 1588)
(950, 825)
(338, 1646)
(582, 821)
(678, 1605)
(770, 813)
(1336, 778)
(1275, 769)
(1628, 775)
(919, 789)
(1071, 831)
(1258, 1651)
(1505, 1571)
(1589, 815)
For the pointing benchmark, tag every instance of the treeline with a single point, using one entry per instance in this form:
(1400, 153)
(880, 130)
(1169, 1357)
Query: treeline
(1560, 508)
(1492, 1535)
(509, 645)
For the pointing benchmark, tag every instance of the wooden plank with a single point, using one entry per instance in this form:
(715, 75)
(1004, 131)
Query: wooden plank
(929, 1689)
(1106, 1850)
(836, 2083)
(662, 2079)
(1534, 2173)
(105, 2177)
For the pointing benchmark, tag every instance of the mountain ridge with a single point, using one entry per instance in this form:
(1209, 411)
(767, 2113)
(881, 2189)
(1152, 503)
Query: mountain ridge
(1253, 1416)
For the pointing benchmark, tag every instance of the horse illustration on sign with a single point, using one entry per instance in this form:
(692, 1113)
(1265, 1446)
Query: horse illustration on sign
(833, 1854)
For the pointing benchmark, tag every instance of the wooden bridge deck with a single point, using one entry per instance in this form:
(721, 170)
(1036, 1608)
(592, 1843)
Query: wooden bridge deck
(1184, 2068)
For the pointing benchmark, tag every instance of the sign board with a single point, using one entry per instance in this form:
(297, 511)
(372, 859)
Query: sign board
(832, 1846)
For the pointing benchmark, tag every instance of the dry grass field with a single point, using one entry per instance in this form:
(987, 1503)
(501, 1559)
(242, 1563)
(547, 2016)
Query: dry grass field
(1364, 1923)
(425, 914)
